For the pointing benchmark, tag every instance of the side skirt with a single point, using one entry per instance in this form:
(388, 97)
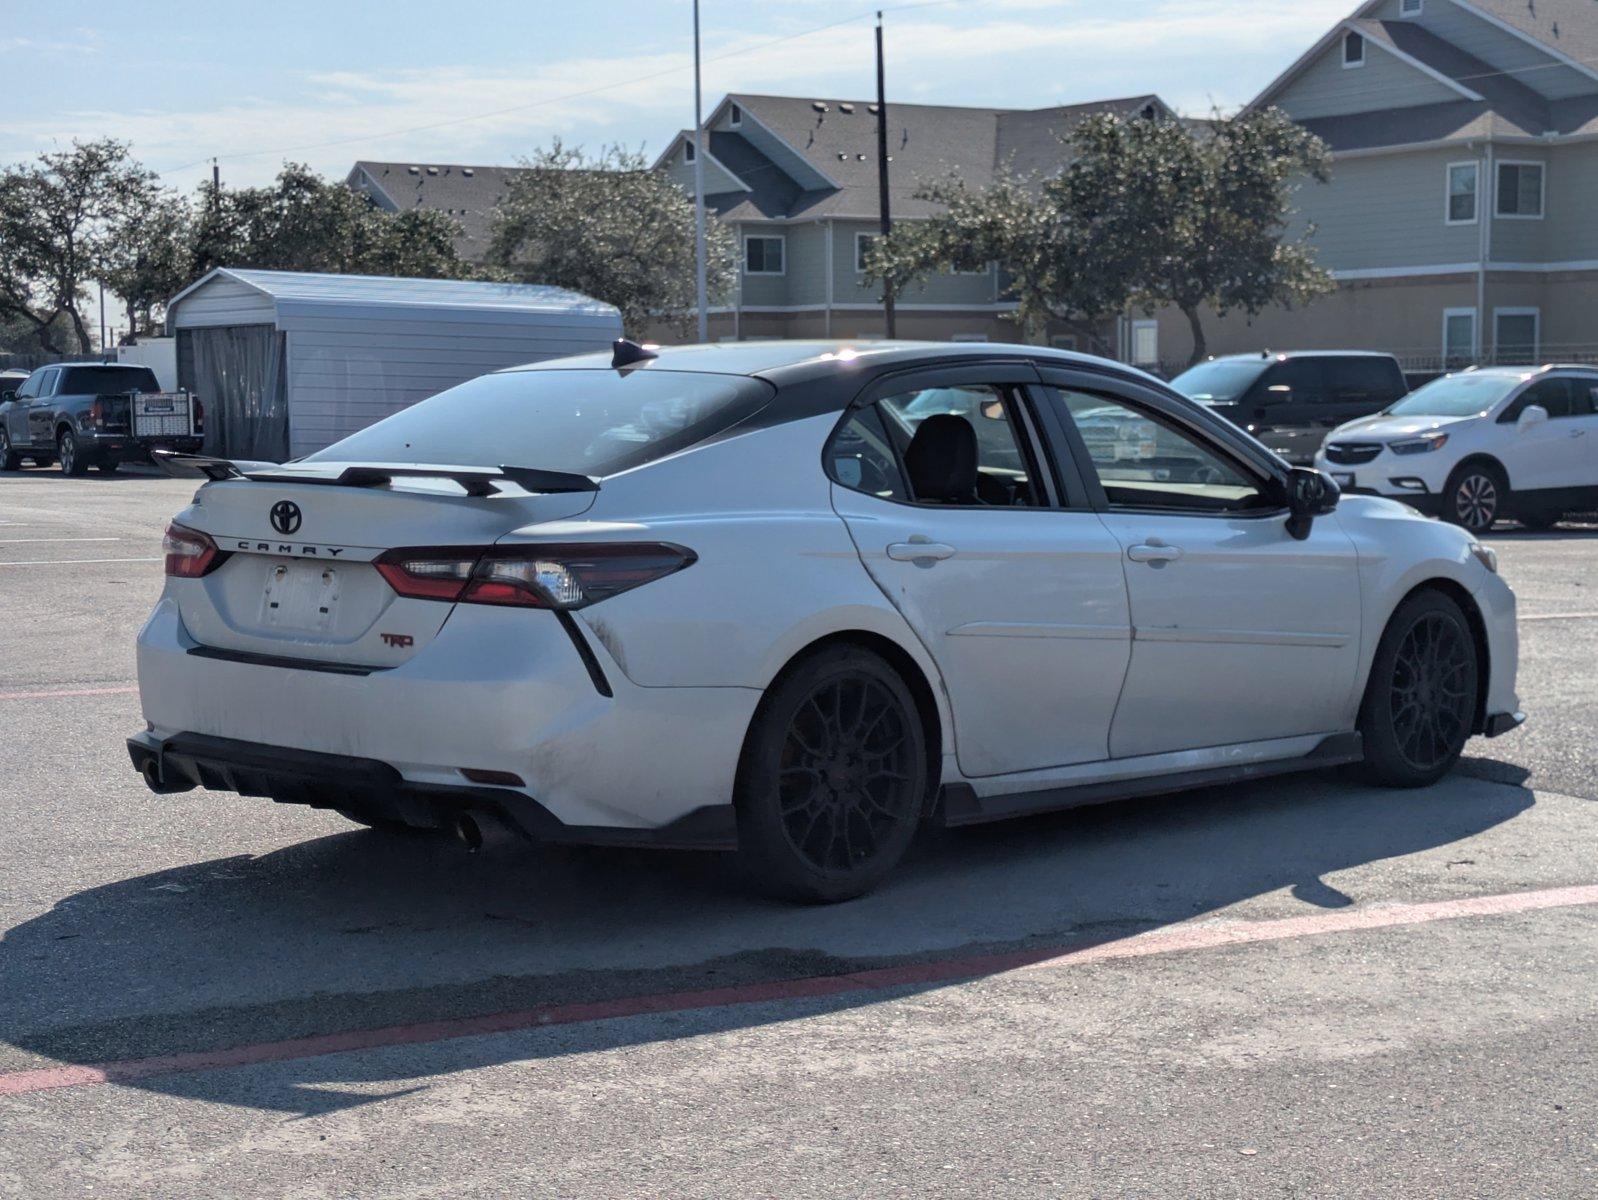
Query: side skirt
(962, 806)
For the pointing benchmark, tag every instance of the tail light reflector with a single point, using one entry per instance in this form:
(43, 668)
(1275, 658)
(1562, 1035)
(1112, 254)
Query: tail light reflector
(97, 414)
(558, 576)
(190, 553)
(198, 410)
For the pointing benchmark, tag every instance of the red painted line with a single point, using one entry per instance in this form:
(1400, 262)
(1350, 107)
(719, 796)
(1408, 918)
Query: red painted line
(53, 692)
(1207, 936)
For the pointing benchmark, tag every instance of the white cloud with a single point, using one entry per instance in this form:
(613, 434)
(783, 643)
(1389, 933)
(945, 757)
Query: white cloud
(1193, 51)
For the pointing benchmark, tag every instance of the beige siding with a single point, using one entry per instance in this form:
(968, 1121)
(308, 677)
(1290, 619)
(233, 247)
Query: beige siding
(1326, 88)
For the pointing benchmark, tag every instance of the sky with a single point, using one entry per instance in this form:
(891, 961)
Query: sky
(333, 81)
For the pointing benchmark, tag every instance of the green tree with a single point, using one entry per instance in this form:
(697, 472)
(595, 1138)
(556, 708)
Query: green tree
(60, 219)
(607, 226)
(302, 222)
(149, 259)
(1142, 214)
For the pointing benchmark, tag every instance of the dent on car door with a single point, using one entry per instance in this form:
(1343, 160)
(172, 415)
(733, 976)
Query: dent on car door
(1020, 599)
(1241, 633)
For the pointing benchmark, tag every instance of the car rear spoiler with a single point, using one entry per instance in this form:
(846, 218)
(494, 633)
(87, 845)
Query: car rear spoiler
(478, 481)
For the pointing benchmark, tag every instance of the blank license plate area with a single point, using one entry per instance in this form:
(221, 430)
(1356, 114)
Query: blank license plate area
(300, 596)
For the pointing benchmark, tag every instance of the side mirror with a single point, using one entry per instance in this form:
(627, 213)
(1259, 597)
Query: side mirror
(1531, 416)
(1310, 494)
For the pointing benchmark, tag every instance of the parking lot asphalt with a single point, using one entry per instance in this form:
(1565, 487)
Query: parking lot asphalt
(1297, 987)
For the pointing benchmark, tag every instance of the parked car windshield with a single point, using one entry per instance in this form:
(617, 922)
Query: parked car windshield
(1456, 396)
(1221, 381)
(587, 421)
(104, 381)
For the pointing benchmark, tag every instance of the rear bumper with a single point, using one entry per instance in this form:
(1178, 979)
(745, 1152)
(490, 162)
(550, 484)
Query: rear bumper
(124, 447)
(372, 788)
(498, 689)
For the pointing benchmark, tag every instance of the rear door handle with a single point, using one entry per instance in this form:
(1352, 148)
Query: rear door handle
(1154, 553)
(919, 551)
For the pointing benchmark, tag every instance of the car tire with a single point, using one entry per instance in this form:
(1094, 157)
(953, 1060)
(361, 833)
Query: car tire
(67, 454)
(833, 779)
(10, 460)
(1420, 699)
(1475, 496)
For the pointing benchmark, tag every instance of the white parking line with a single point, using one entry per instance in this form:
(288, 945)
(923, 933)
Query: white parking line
(1586, 616)
(31, 541)
(72, 562)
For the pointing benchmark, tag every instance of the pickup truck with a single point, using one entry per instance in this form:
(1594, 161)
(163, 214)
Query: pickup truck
(95, 414)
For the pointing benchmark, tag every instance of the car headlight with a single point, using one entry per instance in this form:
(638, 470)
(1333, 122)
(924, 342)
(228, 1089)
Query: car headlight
(1486, 555)
(1420, 445)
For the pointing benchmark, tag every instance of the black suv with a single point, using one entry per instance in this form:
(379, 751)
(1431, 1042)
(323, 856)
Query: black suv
(1292, 401)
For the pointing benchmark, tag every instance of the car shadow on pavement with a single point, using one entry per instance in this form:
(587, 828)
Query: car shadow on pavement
(364, 930)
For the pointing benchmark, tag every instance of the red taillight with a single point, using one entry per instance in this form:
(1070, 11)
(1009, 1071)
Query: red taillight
(190, 553)
(563, 576)
(97, 414)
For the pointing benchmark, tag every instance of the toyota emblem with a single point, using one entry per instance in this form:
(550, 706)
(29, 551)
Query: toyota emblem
(286, 516)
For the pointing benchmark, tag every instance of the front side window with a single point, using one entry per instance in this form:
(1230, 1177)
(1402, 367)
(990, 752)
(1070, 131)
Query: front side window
(587, 421)
(1520, 189)
(1144, 462)
(763, 255)
(1559, 398)
(1462, 179)
(962, 446)
(30, 386)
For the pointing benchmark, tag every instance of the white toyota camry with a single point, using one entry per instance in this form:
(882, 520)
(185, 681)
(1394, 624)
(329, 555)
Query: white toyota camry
(797, 599)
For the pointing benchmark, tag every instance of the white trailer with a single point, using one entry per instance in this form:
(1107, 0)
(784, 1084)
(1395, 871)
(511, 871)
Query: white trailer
(287, 363)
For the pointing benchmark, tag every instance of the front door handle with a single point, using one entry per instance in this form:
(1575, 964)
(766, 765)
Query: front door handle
(920, 550)
(1578, 433)
(1155, 553)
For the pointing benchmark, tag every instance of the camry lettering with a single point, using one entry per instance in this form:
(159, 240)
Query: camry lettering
(283, 548)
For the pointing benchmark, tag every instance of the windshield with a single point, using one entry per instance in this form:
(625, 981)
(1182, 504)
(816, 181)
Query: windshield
(589, 422)
(102, 381)
(1456, 396)
(1223, 380)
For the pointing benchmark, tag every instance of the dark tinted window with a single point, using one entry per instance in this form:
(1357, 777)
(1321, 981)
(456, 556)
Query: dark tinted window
(29, 386)
(590, 422)
(1362, 381)
(1561, 397)
(102, 381)
(1003, 473)
(1304, 377)
(860, 457)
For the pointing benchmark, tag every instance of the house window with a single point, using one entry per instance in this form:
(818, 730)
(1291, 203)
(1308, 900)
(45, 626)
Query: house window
(862, 247)
(1459, 337)
(735, 117)
(1462, 178)
(1353, 50)
(1411, 8)
(1145, 343)
(763, 255)
(689, 151)
(1515, 335)
(1520, 189)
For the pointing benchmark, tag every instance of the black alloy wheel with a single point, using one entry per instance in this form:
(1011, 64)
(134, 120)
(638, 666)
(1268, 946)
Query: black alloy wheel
(1420, 703)
(10, 460)
(1475, 498)
(833, 779)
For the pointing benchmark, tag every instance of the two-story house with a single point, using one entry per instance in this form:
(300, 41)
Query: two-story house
(797, 180)
(1460, 222)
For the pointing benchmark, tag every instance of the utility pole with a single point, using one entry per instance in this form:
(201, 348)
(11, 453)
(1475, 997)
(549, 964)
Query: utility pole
(102, 324)
(889, 318)
(699, 193)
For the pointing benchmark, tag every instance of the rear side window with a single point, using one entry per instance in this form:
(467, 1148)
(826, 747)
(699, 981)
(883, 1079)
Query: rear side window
(590, 422)
(104, 381)
(861, 458)
(1363, 381)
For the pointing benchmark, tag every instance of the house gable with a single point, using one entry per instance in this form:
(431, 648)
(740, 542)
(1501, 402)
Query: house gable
(1320, 85)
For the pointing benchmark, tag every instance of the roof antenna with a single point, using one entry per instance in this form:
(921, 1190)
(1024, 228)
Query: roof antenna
(624, 353)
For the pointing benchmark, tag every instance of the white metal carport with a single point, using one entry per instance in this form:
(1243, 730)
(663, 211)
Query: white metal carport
(287, 362)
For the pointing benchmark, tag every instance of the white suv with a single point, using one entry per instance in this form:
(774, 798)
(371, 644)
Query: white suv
(1486, 443)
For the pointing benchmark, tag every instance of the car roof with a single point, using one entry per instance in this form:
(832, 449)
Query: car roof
(1526, 372)
(1281, 355)
(787, 360)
